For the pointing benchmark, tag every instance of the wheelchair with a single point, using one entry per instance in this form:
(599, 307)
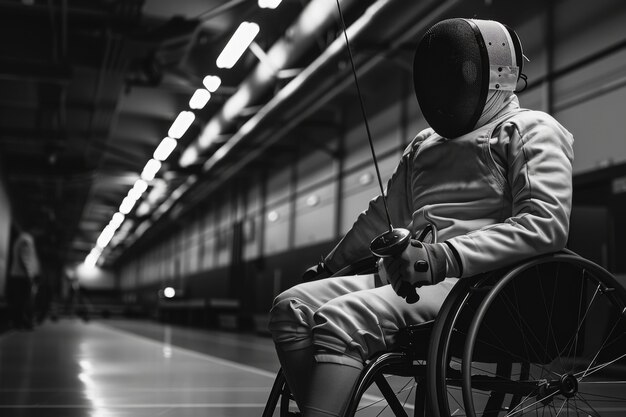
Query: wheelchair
(545, 337)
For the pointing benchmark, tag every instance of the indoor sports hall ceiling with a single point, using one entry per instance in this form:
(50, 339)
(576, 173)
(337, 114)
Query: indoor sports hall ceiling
(88, 89)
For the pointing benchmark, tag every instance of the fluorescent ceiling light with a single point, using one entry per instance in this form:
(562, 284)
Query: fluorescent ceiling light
(181, 124)
(132, 193)
(199, 99)
(189, 156)
(149, 171)
(269, 4)
(138, 189)
(96, 251)
(117, 220)
(236, 46)
(127, 205)
(143, 209)
(90, 261)
(105, 236)
(92, 258)
(212, 82)
(165, 148)
(140, 186)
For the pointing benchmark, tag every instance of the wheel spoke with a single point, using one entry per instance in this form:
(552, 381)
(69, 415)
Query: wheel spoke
(561, 409)
(408, 394)
(514, 356)
(523, 322)
(602, 382)
(520, 403)
(588, 405)
(580, 324)
(454, 397)
(591, 371)
(607, 397)
(580, 304)
(530, 405)
(550, 313)
(584, 410)
(587, 371)
(575, 403)
(486, 371)
(551, 408)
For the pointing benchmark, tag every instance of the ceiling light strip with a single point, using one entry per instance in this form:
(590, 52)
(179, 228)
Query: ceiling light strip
(199, 99)
(269, 4)
(237, 45)
(181, 124)
(165, 148)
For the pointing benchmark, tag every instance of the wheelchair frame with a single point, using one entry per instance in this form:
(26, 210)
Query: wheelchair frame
(429, 363)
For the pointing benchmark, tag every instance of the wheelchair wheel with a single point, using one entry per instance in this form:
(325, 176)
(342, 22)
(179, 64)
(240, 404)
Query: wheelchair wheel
(548, 339)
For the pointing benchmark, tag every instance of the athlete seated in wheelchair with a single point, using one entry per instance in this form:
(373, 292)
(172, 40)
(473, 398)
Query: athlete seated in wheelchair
(493, 180)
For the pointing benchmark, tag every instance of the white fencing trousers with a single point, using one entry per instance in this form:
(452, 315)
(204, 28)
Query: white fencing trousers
(348, 319)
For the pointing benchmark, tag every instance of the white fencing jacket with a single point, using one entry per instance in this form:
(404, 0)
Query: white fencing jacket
(497, 195)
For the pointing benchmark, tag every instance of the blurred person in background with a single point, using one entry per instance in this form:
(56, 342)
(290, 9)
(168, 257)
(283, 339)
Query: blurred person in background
(21, 285)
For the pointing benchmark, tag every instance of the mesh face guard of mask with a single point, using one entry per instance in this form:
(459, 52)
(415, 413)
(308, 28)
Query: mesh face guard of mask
(456, 63)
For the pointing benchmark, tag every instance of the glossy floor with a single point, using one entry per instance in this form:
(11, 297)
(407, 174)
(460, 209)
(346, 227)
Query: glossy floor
(109, 369)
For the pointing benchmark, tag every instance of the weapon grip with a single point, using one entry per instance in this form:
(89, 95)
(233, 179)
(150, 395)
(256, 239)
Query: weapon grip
(392, 243)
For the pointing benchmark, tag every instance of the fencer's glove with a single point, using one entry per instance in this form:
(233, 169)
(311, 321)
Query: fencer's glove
(419, 264)
(316, 272)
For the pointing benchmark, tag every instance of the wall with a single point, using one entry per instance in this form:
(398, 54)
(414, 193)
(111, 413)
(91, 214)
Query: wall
(590, 100)
(585, 95)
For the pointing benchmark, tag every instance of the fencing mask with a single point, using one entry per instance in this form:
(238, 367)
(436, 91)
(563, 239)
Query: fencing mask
(457, 63)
